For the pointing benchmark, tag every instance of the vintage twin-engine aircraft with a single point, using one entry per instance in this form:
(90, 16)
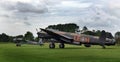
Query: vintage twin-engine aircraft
(75, 39)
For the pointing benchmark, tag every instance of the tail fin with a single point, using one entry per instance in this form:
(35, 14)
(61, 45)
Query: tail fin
(102, 38)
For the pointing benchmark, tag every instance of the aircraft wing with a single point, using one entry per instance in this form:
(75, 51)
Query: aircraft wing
(58, 35)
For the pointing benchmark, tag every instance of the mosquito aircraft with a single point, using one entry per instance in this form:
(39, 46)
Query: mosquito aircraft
(73, 38)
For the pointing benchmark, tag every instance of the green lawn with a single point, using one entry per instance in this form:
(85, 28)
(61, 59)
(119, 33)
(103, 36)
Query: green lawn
(34, 53)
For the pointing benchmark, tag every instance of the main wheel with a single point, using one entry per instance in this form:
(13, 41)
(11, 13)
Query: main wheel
(87, 45)
(51, 45)
(18, 44)
(61, 45)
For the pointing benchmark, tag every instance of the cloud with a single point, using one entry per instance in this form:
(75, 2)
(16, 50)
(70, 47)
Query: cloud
(25, 7)
(75, 4)
(27, 23)
(19, 16)
(114, 4)
(68, 7)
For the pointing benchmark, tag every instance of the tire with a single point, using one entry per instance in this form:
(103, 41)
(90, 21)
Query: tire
(18, 44)
(52, 46)
(87, 45)
(108, 45)
(61, 45)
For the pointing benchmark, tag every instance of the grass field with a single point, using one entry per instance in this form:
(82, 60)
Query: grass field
(34, 53)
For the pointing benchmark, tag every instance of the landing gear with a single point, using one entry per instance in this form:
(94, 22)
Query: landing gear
(52, 45)
(103, 46)
(18, 44)
(61, 45)
(87, 45)
(41, 43)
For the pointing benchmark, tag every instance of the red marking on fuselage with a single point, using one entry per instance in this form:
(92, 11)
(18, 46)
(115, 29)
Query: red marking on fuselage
(87, 40)
(77, 38)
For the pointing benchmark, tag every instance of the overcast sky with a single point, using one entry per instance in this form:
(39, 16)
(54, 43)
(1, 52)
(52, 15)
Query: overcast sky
(19, 16)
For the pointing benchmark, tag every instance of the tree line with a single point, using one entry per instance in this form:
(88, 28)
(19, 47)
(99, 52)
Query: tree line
(6, 38)
(69, 27)
(73, 28)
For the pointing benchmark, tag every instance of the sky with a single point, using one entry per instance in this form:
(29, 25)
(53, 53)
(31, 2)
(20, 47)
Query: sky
(19, 16)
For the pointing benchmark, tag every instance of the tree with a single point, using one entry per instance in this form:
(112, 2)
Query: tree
(19, 36)
(89, 33)
(98, 33)
(109, 35)
(36, 39)
(70, 27)
(117, 37)
(29, 36)
(85, 28)
(4, 38)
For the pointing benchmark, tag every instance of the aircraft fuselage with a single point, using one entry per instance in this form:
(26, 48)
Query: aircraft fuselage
(77, 39)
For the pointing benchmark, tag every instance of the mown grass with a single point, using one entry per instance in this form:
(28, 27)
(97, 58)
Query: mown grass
(35, 53)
